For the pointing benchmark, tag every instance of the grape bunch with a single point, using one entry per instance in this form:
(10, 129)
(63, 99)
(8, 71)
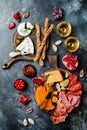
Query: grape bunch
(57, 13)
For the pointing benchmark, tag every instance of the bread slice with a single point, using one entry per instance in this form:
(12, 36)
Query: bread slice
(53, 76)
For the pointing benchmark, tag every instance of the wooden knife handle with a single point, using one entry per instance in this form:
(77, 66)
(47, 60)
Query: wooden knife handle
(10, 62)
(53, 60)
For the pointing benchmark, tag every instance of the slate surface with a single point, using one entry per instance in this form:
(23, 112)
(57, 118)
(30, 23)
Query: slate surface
(11, 116)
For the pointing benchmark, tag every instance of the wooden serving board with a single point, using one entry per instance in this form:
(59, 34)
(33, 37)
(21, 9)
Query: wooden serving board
(53, 60)
(29, 57)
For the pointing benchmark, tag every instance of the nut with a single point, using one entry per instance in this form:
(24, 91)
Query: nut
(29, 110)
(54, 47)
(25, 122)
(58, 42)
(31, 121)
(66, 75)
(82, 73)
(63, 88)
(58, 87)
(26, 14)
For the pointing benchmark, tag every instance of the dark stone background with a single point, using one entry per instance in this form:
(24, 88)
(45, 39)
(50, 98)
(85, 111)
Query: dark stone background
(11, 117)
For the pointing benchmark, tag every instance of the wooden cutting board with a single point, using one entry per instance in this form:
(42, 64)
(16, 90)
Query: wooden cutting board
(29, 57)
(53, 60)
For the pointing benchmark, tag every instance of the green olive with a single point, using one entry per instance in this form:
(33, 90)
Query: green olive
(20, 37)
(17, 42)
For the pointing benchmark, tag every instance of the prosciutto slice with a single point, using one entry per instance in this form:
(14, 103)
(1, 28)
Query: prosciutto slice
(63, 97)
(66, 103)
(60, 113)
(74, 100)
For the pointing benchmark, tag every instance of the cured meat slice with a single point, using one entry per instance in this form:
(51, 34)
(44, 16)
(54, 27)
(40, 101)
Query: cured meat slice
(75, 87)
(77, 93)
(74, 100)
(60, 109)
(64, 99)
(60, 113)
(57, 120)
(73, 80)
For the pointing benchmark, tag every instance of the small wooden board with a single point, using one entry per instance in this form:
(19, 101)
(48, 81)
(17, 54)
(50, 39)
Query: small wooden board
(29, 57)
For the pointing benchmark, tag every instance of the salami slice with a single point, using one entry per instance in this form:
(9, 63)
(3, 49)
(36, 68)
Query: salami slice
(75, 87)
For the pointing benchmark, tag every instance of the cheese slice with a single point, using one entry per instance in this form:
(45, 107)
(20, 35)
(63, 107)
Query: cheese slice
(30, 26)
(26, 46)
(25, 31)
(53, 76)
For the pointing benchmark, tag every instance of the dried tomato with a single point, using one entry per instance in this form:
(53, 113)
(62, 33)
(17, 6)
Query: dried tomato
(40, 80)
(29, 70)
(37, 81)
(24, 99)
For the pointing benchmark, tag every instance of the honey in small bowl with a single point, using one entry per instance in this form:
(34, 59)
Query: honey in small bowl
(63, 29)
(71, 44)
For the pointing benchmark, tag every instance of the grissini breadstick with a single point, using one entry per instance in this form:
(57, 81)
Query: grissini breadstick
(41, 62)
(38, 35)
(43, 56)
(46, 24)
(38, 54)
(40, 48)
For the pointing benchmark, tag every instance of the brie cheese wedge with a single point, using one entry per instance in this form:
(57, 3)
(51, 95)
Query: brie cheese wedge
(26, 46)
(25, 28)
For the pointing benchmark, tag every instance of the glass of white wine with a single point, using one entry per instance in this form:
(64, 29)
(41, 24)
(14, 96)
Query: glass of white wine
(71, 44)
(63, 29)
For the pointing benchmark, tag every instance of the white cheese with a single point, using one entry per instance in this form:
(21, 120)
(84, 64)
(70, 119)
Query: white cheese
(25, 31)
(26, 46)
(30, 26)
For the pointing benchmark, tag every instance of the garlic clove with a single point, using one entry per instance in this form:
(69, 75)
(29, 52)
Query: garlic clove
(58, 42)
